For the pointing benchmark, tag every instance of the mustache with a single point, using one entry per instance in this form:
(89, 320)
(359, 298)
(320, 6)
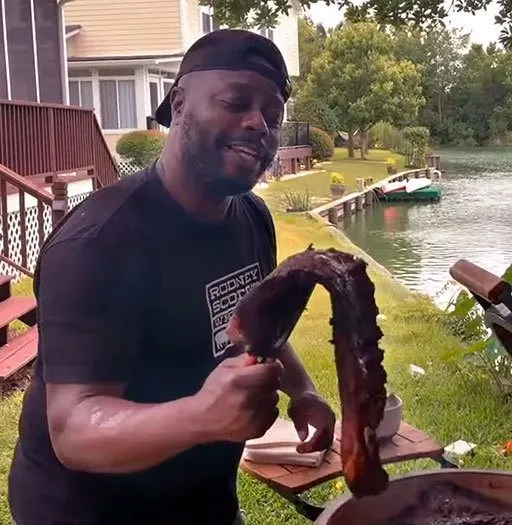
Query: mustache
(248, 138)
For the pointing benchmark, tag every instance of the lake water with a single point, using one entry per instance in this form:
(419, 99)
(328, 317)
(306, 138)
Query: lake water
(418, 243)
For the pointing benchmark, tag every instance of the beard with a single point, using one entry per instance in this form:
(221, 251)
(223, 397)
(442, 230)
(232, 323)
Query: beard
(206, 162)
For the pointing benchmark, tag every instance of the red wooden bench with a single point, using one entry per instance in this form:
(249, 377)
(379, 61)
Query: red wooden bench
(289, 481)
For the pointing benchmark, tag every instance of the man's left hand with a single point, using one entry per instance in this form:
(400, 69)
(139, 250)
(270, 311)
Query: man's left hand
(310, 409)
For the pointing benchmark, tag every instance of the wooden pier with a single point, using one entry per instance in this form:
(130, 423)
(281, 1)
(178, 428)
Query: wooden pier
(366, 195)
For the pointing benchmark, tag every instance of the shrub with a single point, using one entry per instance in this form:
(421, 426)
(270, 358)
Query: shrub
(321, 144)
(297, 201)
(419, 140)
(386, 136)
(141, 147)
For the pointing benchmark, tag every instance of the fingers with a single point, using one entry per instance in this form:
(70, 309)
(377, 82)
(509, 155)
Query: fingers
(265, 420)
(265, 376)
(321, 440)
(299, 421)
(238, 361)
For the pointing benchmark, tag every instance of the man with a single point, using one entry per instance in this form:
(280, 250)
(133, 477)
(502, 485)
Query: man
(136, 414)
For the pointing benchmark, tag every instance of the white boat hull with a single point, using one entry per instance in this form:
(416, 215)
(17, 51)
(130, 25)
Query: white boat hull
(417, 184)
(398, 185)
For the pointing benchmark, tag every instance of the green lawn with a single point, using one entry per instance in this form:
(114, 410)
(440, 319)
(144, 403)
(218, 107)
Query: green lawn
(318, 183)
(447, 402)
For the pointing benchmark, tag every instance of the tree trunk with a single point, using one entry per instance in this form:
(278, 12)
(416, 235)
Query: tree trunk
(350, 144)
(363, 144)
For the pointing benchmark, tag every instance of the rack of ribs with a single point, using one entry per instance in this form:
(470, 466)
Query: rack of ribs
(266, 316)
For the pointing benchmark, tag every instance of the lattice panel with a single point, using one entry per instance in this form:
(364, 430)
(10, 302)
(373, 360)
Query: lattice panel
(126, 168)
(32, 235)
(77, 199)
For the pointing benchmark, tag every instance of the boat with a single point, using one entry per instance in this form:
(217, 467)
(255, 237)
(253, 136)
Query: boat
(397, 185)
(419, 183)
(428, 194)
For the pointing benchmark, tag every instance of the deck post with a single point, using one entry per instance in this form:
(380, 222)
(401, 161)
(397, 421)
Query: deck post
(333, 216)
(359, 203)
(60, 203)
(369, 198)
(347, 208)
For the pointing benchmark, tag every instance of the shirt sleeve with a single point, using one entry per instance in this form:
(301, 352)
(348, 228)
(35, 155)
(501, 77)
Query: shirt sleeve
(91, 308)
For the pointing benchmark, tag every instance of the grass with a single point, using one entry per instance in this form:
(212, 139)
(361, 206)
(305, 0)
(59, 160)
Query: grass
(318, 183)
(448, 402)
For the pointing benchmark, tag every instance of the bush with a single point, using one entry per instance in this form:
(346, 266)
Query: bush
(297, 201)
(386, 136)
(321, 144)
(141, 147)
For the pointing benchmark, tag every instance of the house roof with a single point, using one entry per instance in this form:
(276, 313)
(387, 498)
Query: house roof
(109, 58)
(168, 62)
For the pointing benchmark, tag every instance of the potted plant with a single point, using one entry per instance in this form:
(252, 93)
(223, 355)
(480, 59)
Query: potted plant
(391, 165)
(337, 184)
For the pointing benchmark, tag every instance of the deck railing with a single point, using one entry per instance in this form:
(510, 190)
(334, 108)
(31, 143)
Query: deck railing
(46, 140)
(27, 217)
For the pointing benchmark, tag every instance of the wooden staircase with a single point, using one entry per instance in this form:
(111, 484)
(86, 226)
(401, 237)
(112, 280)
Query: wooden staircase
(20, 349)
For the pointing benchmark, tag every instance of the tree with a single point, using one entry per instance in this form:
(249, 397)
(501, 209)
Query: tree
(308, 107)
(417, 13)
(359, 78)
(311, 44)
(440, 55)
(478, 105)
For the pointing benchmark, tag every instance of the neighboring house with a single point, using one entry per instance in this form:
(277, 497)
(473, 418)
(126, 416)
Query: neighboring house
(123, 55)
(32, 63)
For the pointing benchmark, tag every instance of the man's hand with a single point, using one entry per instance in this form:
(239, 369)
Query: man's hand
(239, 399)
(310, 409)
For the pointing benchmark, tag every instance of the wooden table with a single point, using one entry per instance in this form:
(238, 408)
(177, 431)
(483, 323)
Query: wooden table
(290, 481)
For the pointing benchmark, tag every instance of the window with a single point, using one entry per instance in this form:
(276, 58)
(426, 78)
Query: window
(118, 104)
(268, 33)
(154, 96)
(207, 20)
(80, 93)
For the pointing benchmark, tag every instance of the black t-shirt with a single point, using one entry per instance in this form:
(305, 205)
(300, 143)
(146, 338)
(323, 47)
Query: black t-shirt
(132, 289)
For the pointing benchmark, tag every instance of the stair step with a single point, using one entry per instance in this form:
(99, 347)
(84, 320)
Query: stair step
(5, 279)
(14, 308)
(18, 353)
(5, 287)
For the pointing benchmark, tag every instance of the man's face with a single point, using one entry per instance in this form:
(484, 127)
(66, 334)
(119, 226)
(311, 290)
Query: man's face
(230, 123)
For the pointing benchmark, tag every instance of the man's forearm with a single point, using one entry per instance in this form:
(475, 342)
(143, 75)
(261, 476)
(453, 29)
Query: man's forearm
(295, 380)
(111, 435)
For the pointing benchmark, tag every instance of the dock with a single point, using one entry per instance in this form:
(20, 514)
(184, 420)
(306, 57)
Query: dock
(369, 194)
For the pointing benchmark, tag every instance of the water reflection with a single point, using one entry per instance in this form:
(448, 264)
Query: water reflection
(419, 242)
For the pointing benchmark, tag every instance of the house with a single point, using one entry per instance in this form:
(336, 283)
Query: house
(123, 55)
(32, 63)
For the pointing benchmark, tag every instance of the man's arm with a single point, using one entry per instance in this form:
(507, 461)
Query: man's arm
(92, 429)
(94, 297)
(296, 380)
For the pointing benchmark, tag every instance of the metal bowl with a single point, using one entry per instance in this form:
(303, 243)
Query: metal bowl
(405, 490)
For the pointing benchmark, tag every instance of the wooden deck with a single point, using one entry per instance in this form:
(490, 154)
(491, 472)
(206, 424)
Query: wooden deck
(409, 443)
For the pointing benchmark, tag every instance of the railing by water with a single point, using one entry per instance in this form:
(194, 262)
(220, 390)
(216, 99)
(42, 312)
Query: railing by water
(364, 197)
